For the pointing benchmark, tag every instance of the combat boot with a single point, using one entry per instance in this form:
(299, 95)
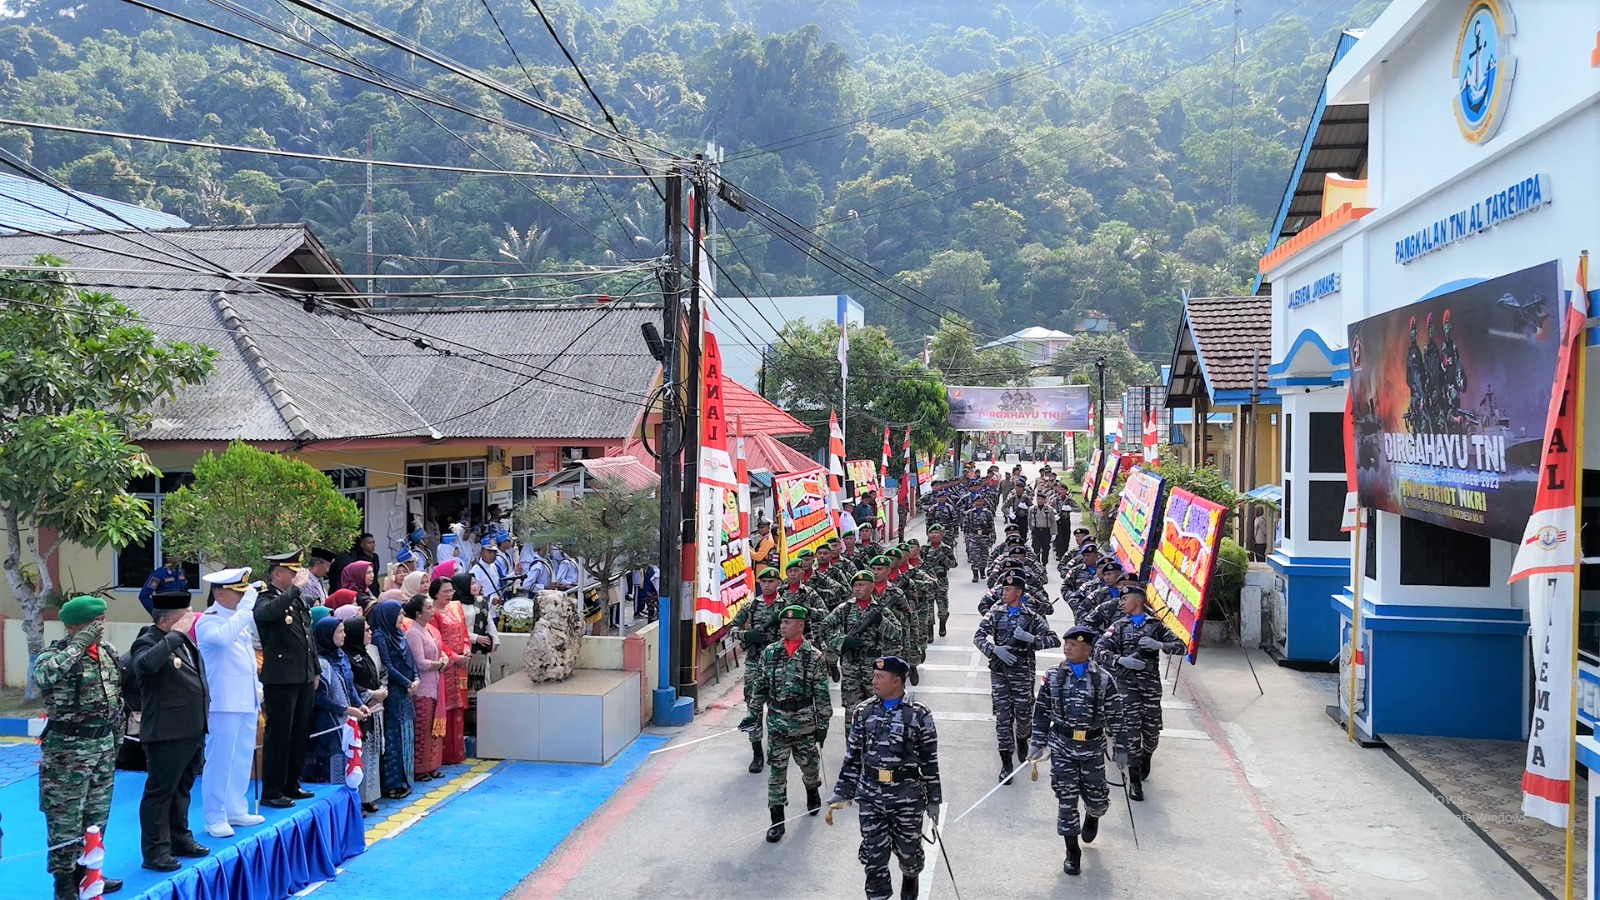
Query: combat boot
(1005, 767)
(1074, 861)
(1022, 748)
(758, 760)
(814, 799)
(1144, 766)
(66, 887)
(1135, 788)
(775, 833)
(908, 887)
(941, 627)
(1091, 828)
(914, 677)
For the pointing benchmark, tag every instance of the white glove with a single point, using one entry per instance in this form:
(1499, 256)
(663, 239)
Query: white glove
(247, 602)
(1023, 635)
(1149, 643)
(1131, 662)
(1010, 659)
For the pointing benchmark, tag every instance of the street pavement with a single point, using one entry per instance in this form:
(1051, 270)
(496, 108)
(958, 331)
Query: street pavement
(1252, 795)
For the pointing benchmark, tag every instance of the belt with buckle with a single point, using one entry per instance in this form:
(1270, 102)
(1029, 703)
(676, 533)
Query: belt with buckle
(1081, 734)
(895, 776)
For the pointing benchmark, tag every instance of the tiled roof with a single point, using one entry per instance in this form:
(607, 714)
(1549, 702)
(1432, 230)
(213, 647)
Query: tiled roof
(625, 471)
(757, 413)
(764, 452)
(36, 206)
(283, 374)
(1221, 341)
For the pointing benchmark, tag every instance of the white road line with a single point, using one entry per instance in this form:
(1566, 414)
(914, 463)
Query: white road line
(1184, 734)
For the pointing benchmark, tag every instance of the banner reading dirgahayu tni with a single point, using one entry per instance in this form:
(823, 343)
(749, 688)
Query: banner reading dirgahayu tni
(1064, 408)
(1449, 400)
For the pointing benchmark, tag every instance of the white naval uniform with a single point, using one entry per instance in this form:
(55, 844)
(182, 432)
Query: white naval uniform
(227, 646)
(536, 570)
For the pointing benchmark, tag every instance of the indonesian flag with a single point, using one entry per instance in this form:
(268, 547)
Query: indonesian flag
(1151, 438)
(1351, 503)
(1550, 551)
(835, 465)
(93, 884)
(907, 472)
(883, 468)
(350, 737)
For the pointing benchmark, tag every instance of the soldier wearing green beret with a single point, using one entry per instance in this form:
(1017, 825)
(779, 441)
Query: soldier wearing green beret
(755, 626)
(859, 631)
(921, 584)
(886, 570)
(82, 688)
(939, 558)
(790, 684)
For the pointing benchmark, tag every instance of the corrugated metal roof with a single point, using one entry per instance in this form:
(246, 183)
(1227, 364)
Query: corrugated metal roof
(757, 413)
(36, 206)
(594, 371)
(624, 471)
(1221, 341)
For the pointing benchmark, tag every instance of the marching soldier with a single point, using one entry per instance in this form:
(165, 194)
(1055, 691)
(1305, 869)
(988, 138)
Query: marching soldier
(891, 767)
(796, 592)
(940, 558)
(791, 685)
(288, 670)
(1033, 597)
(846, 557)
(886, 569)
(755, 626)
(1009, 636)
(867, 547)
(1133, 646)
(1077, 705)
(860, 630)
(81, 686)
(1110, 605)
(923, 584)
(978, 526)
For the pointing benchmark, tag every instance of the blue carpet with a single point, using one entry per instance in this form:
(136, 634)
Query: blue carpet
(546, 801)
(288, 833)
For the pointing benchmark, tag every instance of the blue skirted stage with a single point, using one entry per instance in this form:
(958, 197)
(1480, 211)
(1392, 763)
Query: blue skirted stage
(268, 862)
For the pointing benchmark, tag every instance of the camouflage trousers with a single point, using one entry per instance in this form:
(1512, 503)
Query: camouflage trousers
(885, 828)
(927, 613)
(943, 601)
(855, 681)
(752, 661)
(915, 650)
(1141, 712)
(978, 546)
(75, 776)
(1011, 692)
(806, 754)
(1078, 776)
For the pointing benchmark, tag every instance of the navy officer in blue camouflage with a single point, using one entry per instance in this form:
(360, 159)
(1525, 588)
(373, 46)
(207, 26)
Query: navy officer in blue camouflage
(891, 767)
(1009, 635)
(1132, 648)
(1079, 706)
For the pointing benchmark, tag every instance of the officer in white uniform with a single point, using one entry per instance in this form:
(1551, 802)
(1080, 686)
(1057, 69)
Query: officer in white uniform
(535, 568)
(486, 572)
(225, 634)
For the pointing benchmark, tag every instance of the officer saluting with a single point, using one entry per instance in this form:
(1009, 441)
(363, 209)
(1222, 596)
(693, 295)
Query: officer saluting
(891, 767)
(172, 728)
(288, 670)
(82, 691)
(1078, 703)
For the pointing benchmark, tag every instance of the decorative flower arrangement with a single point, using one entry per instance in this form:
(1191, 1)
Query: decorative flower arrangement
(517, 616)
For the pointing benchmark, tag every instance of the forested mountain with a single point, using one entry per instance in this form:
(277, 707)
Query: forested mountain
(1024, 162)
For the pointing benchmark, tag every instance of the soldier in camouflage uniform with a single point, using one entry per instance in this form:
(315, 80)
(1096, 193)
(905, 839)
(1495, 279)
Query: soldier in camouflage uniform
(939, 558)
(1010, 635)
(1033, 597)
(886, 570)
(1077, 705)
(978, 527)
(924, 583)
(755, 626)
(1132, 648)
(891, 767)
(82, 690)
(1109, 599)
(796, 591)
(791, 686)
(859, 631)
(866, 547)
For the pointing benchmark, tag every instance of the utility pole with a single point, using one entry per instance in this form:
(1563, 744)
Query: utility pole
(1100, 418)
(666, 706)
(683, 645)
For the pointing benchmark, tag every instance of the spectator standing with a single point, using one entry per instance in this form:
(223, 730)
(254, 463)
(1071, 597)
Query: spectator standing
(429, 722)
(399, 709)
(357, 578)
(369, 678)
(365, 549)
(170, 577)
(337, 699)
(455, 643)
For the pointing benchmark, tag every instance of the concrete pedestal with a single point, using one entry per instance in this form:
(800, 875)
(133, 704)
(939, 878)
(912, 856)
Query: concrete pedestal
(588, 718)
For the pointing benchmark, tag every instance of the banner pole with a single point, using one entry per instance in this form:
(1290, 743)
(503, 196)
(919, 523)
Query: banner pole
(1579, 344)
(1357, 576)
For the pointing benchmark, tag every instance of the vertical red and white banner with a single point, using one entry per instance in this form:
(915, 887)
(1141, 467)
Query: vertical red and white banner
(1152, 444)
(717, 483)
(740, 546)
(883, 467)
(908, 472)
(1550, 554)
(835, 467)
(1350, 500)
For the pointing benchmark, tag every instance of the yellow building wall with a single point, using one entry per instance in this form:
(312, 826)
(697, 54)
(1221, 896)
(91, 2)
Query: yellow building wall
(83, 570)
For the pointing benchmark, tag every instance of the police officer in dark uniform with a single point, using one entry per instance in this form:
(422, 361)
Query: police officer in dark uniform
(172, 728)
(288, 670)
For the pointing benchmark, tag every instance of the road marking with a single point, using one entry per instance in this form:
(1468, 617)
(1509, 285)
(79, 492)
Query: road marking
(1184, 734)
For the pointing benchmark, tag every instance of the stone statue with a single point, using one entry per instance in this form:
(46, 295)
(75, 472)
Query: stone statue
(551, 653)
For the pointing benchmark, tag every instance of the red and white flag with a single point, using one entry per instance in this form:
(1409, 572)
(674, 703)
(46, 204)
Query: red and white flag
(1152, 451)
(907, 472)
(1551, 552)
(883, 467)
(1350, 500)
(835, 466)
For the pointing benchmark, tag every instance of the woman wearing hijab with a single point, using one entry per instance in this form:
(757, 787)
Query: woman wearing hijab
(446, 569)
(357, 579)
(485, 639)
(451, 623)
(318, 613)
(429, 661)
(399, 713)
(335, 700)
(368, 671)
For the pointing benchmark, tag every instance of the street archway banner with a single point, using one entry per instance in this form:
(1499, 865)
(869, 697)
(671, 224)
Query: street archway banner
(1060, 408)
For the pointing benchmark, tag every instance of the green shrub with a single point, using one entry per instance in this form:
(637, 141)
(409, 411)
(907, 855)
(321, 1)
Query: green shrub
(1227, 581)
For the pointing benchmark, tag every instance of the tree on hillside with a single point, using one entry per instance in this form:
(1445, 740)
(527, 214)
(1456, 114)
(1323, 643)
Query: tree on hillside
(247, 504)
(77, 372)
(953, 351)
(1123, 368)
